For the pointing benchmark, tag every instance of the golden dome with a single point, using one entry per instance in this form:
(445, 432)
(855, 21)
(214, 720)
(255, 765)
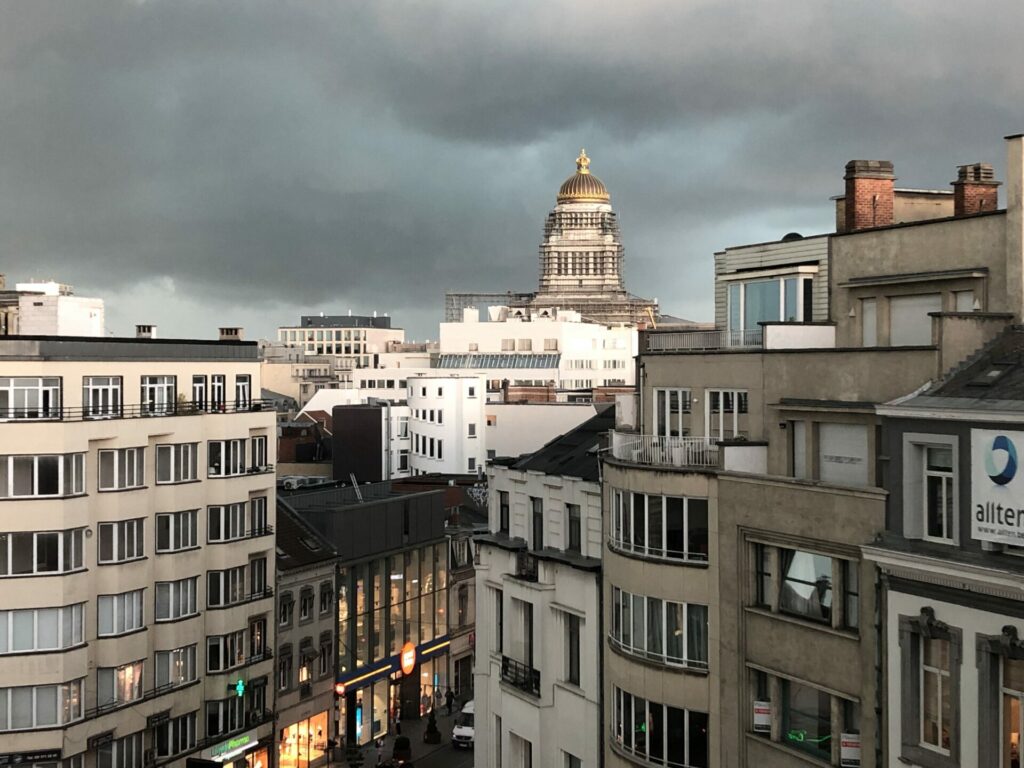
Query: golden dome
(583, 186)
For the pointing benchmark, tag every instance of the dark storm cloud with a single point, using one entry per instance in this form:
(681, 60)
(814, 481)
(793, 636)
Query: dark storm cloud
(206, 162)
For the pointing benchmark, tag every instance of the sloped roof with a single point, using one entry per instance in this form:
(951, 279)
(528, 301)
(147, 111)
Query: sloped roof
(574, 454)
(299, 545)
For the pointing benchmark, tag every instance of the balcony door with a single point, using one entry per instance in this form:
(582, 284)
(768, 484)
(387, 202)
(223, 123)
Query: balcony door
(725, 412)
(671, 412)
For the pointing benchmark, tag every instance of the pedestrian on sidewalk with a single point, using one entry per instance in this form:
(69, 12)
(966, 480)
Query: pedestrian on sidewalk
(449, 699)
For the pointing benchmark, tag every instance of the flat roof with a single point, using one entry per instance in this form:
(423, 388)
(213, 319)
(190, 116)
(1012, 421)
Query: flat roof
(125, 348)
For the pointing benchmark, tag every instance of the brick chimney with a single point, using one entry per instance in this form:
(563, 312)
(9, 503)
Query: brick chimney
(975, 189)
(145, 331)
(869, 194)
(230, 333)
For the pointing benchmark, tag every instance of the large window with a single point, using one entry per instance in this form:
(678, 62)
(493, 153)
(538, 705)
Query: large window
(42, 629)
(936, 701)
(176, 599)
(225, 587)
(175, 667)
(672, 412)
(259, 453)
(176, 736)
(807, 719)
(658, 733)
(806, 585)
(669, 527)
(243, 391)
(125, 752)
(39, 476)
(121, 541)
(777, 299)
(810, 585)
(225, 523)
(660, 630)
(158, 396)
(122, 468)
(176, 463)
(25, 554)
(226, 458)
(30, 398)
(119, 614)
(101, 396)
(177, 530)
(939, 499)
(40, 706)
(119, 685)
(225, 716)
(723, 412)
(258, 516)
(224, 652)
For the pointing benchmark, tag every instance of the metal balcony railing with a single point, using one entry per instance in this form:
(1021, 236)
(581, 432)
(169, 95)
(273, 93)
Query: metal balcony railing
(125, 411)
(520, 676)
(696, 341)
(665, 451)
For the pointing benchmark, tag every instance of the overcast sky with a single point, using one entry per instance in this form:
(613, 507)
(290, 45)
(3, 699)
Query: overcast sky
(199, 164)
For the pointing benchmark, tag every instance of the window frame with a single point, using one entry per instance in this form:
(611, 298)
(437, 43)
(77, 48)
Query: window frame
(127, 541)
(176, 530)
(182, 599)
(134, 475)
(182, 463)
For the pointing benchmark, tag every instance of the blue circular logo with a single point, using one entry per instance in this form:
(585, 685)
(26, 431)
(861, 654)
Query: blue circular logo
(1003, 444)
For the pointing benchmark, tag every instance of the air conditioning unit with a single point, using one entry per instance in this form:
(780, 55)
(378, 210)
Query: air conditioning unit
(253, 717)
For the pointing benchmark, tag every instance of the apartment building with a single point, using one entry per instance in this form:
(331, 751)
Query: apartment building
(755, 477)
(136, 564)
(538, 584)
(354, 340)
(306, 651)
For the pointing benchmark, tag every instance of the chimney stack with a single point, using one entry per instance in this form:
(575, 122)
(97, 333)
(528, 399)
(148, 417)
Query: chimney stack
(231, 334)
(869, 194)
(975, 189)
(145, 331)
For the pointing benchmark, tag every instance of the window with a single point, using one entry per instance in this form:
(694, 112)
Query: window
(218, 391)
(660, 630)
(225, 716)
(964, 301)
(785, 299)
(226, 587)
(158, 395)
(40, 706)
(177, 530)
(471, 392)
(121, 541)
(257, 576)
(226, 458)
(243, 391)
(259, 453)
(939, 498)
(125, 752)
(119, 613)
(119, 685)
(665, 527)
(122, 468)
(671, 412)
(537, 519)
(258, 525)
(909, 321)
(806, 585)
(503, 511)
(572, 648)
(572, 525)
(306, 605)
(936, 703)
(284, 668)
(499, 619)
(658, 733)
(869, 322)
(199, 392)
(101, 396)
(571, 761)
(807, 719)
(326, 603)
(25, 554)
(403, 427)
(224, 652)
(176, 599)
(471, 464)
(285, 610)
(176, 463)
(471, 430)
(225, 523)
(37, 476)
(762, 577)
(326, 652)
(843, 454)
(42, 629)
(30, 398)
(178, 735)
(176, 667)
(403, 460)
(722, 411)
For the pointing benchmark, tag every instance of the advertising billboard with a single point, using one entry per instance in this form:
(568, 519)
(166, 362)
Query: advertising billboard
(997, 486)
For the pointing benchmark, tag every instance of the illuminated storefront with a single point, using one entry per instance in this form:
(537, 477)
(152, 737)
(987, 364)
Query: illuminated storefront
(245, 750)
(304, 743)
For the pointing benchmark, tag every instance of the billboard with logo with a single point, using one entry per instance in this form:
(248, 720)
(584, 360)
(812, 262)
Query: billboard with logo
(997, 486)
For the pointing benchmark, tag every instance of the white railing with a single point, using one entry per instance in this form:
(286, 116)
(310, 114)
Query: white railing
(665, 451)
(685, 341)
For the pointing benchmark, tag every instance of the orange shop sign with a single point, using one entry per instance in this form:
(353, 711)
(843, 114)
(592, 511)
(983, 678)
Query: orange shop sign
(408, 658)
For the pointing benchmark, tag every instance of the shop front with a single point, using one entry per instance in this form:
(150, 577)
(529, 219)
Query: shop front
(245, 750)
(304, 743)
(407, 685)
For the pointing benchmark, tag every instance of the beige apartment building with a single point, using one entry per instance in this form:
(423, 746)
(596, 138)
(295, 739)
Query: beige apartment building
(736, 504)
(136, 553)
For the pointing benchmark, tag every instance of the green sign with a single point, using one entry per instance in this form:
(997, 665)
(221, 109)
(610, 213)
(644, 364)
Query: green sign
(231, 745)
(240, 687)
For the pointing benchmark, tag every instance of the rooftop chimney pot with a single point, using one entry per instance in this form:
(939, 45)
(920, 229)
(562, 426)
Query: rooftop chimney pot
(145, 331)
(230, 333)
(869, 194)
(975, 189)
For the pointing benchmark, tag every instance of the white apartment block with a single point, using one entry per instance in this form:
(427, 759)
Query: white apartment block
(136, 553)
(538, 586)
(356, 339)
(541, 347)
(447, 423)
